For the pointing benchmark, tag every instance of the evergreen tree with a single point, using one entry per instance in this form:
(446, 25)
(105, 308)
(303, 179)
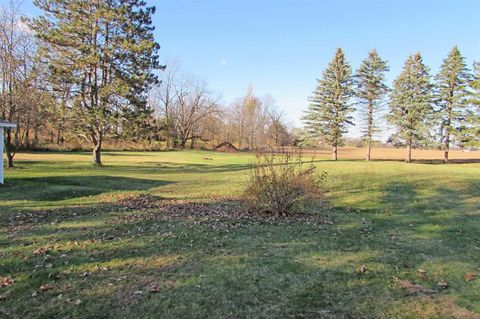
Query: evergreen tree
(106, 52)
(330, 110)
(137, 124)
(411, 103)
(370, 90)
(471, 128)
(450, 93)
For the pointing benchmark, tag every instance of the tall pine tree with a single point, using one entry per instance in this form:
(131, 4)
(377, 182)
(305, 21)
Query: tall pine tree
(471, 127)
(370, 90)
(450, 96)
(106, 52)
(411, 103)
(330, 110)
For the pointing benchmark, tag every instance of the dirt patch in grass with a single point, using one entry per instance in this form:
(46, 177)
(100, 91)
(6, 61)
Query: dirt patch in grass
(413, 288)
(220, 210)
(439, 307)
(139, 201)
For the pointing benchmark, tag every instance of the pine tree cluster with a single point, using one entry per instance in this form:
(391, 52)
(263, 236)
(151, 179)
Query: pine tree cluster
(420, 109)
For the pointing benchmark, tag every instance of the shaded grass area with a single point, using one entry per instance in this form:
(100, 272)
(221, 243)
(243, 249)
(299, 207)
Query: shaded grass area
(64, 227)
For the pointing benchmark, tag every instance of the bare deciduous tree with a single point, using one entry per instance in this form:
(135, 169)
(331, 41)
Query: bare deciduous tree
(248, 120)
(256, 122)
(184, 103)
(277, 131)
(18, 98)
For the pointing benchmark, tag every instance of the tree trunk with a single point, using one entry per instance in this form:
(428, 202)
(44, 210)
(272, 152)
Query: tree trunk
(369, 129)
(35, 137)
(9, 148)
(183, 142)
(192, 143)
(408, 158)
(26, 139)
(9, 160)
(59, 138)
(167, 141)
(369, 149)
(97, 153)
(447, 145)
(334, 153)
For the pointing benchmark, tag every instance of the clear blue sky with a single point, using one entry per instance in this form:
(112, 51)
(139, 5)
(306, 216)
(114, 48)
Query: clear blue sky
(281, 46)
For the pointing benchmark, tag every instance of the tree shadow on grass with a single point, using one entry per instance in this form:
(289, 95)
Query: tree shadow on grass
(169, 167)
(433, 220)
(432, 161)
(153, 167)
(435, 230)
(260, 270)
(431, 196)
(135, 153)
(240, 271)
(267, 270)
(57, 188)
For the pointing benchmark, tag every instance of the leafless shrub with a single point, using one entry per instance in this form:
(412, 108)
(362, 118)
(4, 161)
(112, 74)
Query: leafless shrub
(282, 183)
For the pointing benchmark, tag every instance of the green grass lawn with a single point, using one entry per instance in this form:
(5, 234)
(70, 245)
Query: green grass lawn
(79, 243)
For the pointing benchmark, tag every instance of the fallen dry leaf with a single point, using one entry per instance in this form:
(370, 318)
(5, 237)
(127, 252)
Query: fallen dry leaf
(470, 276)
(41, 251)
(153, 288)
(363, 269)
(6, 281)
(46, 287)
(218, 216)
(76, 302)
(421, 273)
(442, 284)
(55, 276)
(411, 287)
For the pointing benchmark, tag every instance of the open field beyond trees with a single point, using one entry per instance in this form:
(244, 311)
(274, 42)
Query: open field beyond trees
(162, 235)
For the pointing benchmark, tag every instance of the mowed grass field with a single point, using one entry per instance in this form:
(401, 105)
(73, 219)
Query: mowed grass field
(159, 235)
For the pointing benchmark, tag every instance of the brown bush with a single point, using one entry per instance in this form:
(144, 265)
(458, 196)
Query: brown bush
(282, 183)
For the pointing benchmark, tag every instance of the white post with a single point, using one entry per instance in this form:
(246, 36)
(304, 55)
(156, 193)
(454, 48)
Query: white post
(1, 155)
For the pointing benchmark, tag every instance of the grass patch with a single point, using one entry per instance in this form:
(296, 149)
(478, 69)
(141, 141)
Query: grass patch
(184, 250)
